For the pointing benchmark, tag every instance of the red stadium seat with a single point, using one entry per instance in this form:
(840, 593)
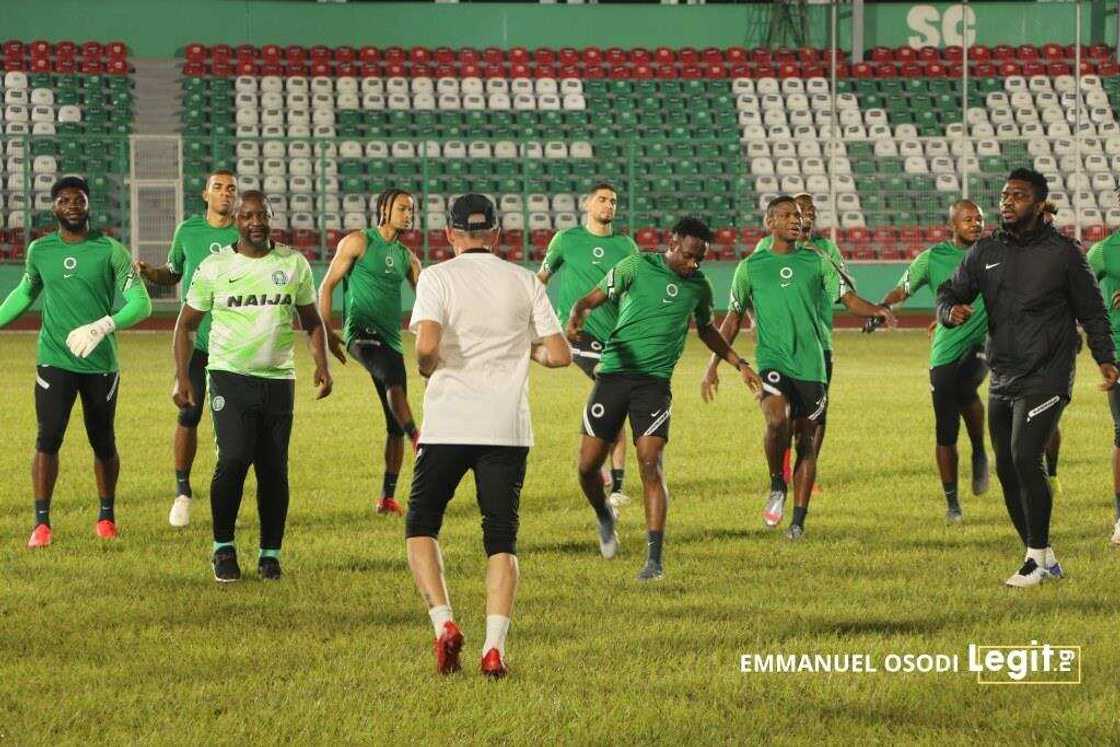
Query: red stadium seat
(568, 56)
(784, 55)
(246, 67)
(789, 70)
(935, 234)
(227, 70)
(953, 54)
(493, 56)
(444, 56)
(688, 56)
(1053, 52)
(221, 53)
(541, 237)
(664, 56)
(1003, 53)
(271, 54)
(295, 54)
(1036, 68)
(13, 49)
(615, 56)
(304, 238)
(1055, 69)
(620, 72)
(469, 56)
(420, 55)
(193, 70)
(438, 255)
(1028, 53)
(761, 56)
(565, 71)
(320, 53)
(737, 55)
(980, 53)
(640, 56)
(513, 237)
(725, 237)
(421, 71)
(42, 48)
(396, 55)
(66, 66)
(515, 254)
(369, 55)
(665, 72)
(765, 71)
(858, 236)
(1007, 69)
(912, 70)
(437, 238)
(195, 52)
(712, 55)
(321, 68)
(346, 70)
(520, 70)
(929, 54)
(545, 71)
(412, 239)
(742, 70)
(886, 70)
(1108, 68)
(544, 56)
(494, 71)
(117, 50)
(89, 67)
(880, 54)
(280, 236)
(13, 66)
(715, 72)
(271, 68)
(647, 238)
(861, 70)
(984, 70)
(692, 72)
(117, 67)
(936, 70)
(1093, 234)
(805, 55)
(246, 53)
(643, 72)
(519, 55)
(345, 54)
(906, 54)
(592, 56)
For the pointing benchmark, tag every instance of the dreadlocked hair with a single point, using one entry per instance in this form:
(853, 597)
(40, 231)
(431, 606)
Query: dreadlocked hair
(385, 203)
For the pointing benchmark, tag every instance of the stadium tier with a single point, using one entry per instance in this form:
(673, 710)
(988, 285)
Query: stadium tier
(67, 109)
(717, 132)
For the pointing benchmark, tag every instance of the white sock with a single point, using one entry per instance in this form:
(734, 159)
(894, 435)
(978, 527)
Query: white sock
(497, 626)
(440, 615)
(1050, 558)
(1038, 556)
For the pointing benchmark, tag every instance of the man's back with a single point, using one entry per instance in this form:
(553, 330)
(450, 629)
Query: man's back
(490, 312)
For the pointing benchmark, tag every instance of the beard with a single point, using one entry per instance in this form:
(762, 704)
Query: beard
(73, 227)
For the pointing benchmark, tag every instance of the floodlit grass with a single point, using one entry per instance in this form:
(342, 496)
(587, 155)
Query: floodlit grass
(133, 641)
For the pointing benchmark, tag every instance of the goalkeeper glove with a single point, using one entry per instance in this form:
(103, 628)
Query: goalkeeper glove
(82, 340)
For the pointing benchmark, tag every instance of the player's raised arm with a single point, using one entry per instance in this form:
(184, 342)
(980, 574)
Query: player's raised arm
(349, 250)
(594, 298)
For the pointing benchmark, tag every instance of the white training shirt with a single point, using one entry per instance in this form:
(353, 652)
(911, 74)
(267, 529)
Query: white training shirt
(491, 312)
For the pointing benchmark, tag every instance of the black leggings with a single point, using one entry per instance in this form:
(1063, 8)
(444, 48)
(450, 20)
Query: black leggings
(954, 387)
(252, 425)
(1020, 430)
(1114, 406)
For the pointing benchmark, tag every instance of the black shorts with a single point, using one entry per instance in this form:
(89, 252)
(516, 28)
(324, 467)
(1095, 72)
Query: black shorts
(648, 400)
(252, 419)
(587, 351)
(807, 399)
(189, 417)
(386, 367)
(499, 472)
(55, 392)
(955, 386)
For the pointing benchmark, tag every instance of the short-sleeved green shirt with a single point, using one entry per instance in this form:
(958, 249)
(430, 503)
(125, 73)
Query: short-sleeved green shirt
(79, 283)
(194, 241)
(252, 303)
(784, 291)
(830, 250)
(933, 267)
(371, 291)
(1104, 260)
(586, 259)
(655, 305)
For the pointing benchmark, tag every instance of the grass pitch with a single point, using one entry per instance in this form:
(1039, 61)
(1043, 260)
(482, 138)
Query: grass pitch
(132, 641)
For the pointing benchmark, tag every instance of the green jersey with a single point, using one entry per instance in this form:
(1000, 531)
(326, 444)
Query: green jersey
(371, 291)
(588, 258)
(79, 283)
(829, 249)
(655, 304)
(194, 241)
(252, 303)
(933, 267)
(785, 291)
(1104, 260)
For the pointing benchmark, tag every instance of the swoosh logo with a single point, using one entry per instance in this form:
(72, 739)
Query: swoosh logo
(666, 300)
(988, 267)
(68, 276)
(786, 285)
(234, 280)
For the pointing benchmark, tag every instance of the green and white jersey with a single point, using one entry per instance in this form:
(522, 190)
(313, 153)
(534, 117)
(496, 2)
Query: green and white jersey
(585, 259)
(371, 291)
(784, 291)
(194, 241)
(829, 249)
(1104, 260)
(252, 303)
(933, 267)
(655, 305)
(79, 283)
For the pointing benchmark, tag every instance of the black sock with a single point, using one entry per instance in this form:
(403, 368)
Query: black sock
(42, 511)
(183, 482)
(653, 546)
(106, 511)
(950, 489)
(778, 483)
(389, 485)
(799, 515)
(1115, 500)
(616, 480)
(1052, 468)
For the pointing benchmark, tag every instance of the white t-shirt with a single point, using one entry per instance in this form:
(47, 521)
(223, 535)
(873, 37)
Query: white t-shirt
(491, 312)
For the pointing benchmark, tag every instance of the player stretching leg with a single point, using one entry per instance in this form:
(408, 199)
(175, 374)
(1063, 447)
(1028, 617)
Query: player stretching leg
(78, 272)
(195, 239)
(957, 365)
(782, 282)
(583, 256)
(657, 295)
(371, 265)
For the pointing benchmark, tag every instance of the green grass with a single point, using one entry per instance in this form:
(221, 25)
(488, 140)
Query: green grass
(133, 641)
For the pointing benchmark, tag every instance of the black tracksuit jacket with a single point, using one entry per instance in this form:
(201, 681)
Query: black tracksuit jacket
(1035, 287)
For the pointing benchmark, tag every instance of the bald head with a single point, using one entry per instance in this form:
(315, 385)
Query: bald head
(966, 219)
(252, 217)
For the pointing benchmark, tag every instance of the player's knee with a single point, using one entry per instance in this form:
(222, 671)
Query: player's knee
(393, 428)
(231, 466)
(1026, 464)
(649, 467)
(420, 522)
(589, 468)
(48, 442)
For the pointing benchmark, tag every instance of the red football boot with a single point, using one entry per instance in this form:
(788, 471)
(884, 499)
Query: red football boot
(389, 505)
(106, 529)
(447, 648)
(493, 666)
(40, 536)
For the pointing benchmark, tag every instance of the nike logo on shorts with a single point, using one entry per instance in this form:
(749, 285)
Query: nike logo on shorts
(988, 267)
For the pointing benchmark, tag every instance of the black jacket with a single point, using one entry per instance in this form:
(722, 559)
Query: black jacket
(1034, 288)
